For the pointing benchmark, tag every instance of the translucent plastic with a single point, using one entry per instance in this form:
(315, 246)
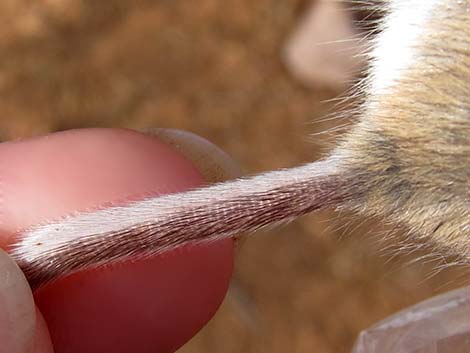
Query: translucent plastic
(437, 325)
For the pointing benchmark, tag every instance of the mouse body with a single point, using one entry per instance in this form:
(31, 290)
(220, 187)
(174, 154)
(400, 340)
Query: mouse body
(410, 150)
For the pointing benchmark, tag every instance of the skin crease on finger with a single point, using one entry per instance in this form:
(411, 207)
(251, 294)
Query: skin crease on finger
(152, 305)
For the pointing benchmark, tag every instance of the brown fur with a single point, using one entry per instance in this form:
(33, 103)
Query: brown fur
(411, 149)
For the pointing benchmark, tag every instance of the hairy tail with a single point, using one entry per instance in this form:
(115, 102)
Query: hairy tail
(152, 226)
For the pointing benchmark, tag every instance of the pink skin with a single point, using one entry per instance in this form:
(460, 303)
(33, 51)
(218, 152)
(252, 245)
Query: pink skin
(152, 305)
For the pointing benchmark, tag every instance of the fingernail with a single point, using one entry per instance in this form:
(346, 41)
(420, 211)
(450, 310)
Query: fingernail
(17, 310)
(214, 164)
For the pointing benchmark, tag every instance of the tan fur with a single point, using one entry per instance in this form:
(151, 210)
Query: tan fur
(411, 149)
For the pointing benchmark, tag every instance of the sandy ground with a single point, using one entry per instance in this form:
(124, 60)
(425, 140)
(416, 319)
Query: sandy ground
(213, 67)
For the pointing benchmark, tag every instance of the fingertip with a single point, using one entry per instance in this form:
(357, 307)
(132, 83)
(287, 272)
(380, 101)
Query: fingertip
(144, 306)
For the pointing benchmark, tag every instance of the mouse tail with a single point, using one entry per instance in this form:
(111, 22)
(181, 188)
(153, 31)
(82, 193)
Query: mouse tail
(155, 225)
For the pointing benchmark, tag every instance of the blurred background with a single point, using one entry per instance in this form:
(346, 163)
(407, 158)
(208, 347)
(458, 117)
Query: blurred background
(250, 77)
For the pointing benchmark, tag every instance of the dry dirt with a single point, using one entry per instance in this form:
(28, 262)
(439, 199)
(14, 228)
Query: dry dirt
(213, 67)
